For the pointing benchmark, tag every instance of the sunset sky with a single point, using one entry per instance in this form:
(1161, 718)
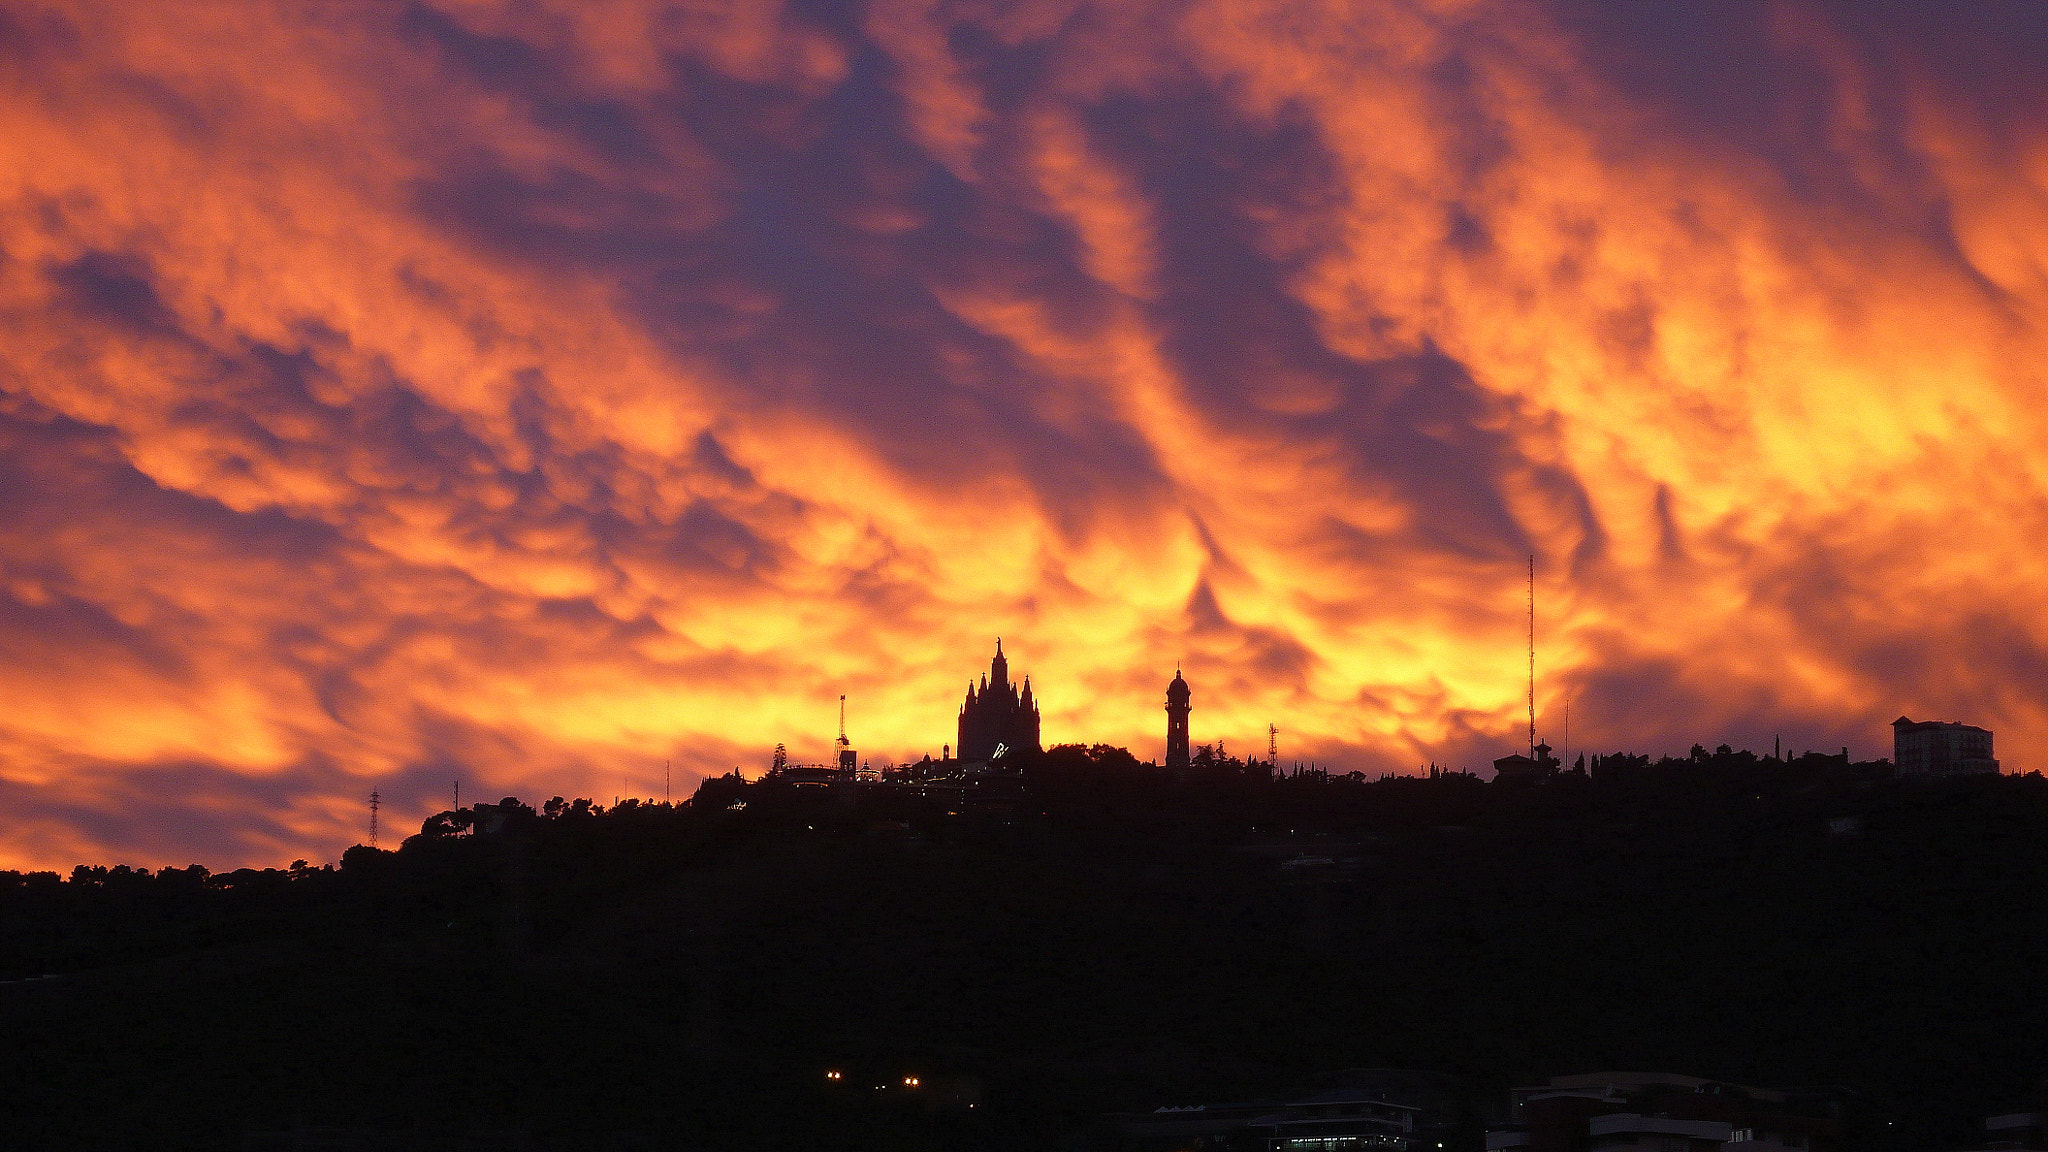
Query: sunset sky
(534, 392)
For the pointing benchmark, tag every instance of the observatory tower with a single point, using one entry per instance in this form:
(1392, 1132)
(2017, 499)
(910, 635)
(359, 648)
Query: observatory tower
(1177, 709)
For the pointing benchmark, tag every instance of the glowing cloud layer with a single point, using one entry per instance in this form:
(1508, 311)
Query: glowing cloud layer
(535, 393)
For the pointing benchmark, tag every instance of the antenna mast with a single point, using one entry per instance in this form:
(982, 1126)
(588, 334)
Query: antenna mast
(1532, 655)
(374, 800)
(1272, 743)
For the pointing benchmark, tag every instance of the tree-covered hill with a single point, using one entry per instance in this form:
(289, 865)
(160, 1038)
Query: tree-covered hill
(1095, 936)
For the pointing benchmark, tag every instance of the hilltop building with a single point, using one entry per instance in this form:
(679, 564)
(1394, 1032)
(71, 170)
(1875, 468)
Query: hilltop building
(1940, 748)
(1661, 1112)
(1177, 709)
(2016, 1132)
(1336, 1121)
(1520, 769)
(997, 717)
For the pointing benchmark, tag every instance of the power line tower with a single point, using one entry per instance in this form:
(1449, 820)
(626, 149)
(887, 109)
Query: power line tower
(374, 801)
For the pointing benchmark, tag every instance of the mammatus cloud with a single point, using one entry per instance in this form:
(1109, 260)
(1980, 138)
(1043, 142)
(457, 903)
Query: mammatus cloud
(533, 394)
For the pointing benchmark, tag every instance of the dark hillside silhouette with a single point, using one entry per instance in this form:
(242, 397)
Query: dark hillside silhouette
(1109, 937)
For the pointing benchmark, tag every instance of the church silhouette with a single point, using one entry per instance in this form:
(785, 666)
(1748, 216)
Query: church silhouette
(997, 717)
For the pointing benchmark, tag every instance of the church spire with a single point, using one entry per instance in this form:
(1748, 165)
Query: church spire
(999, 668)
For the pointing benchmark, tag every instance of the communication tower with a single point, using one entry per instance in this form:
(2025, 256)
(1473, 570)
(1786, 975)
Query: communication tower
(1532, 655)
(1272, 743)
(374, 800)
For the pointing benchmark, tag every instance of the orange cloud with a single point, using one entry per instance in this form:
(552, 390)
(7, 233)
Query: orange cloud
(532, 394)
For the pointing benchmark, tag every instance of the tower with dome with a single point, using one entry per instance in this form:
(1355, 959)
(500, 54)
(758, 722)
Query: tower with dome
(1177, 709)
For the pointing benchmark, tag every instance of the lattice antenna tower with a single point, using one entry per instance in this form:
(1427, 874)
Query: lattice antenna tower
(664, 781)
(843, 741)
(1532, 655)
(1272, 743)
(374, 801)
(458, 794)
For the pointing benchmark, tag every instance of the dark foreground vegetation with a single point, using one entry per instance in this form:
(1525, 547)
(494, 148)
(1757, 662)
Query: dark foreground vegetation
(1100, 938)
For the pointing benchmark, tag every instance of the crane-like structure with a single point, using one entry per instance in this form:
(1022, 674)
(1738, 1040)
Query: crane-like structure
(844, 746)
